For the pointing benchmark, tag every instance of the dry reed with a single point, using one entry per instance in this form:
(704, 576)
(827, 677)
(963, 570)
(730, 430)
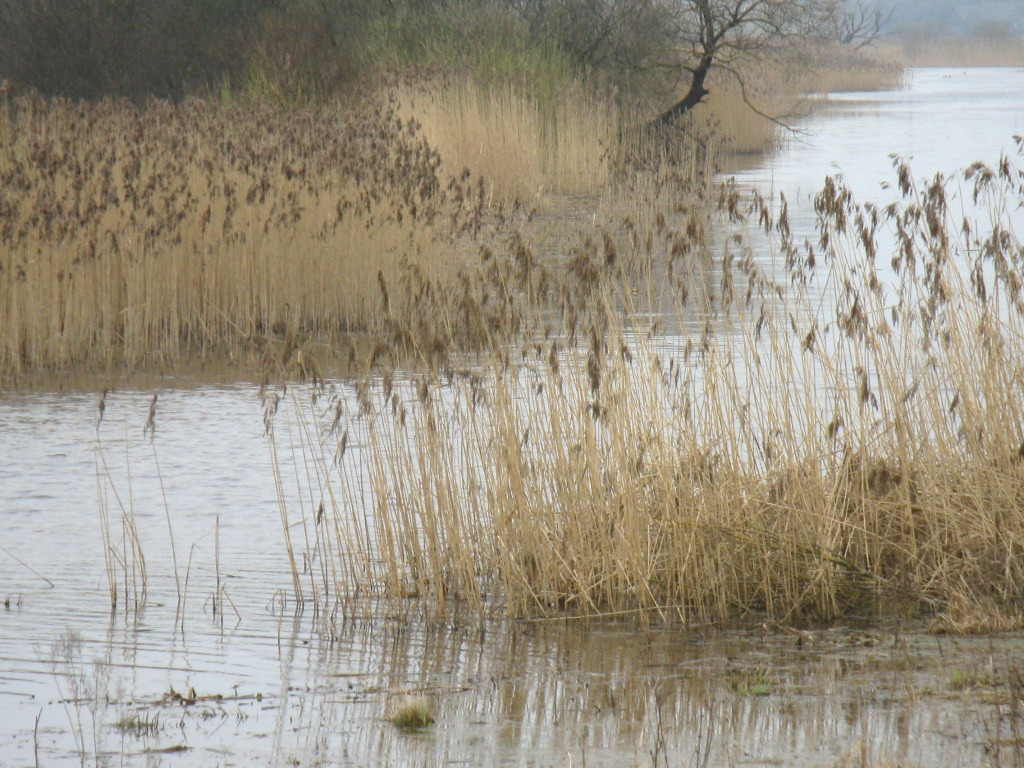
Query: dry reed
(833, 431)
(747, 112)
(970, 616)
(526, 147)
(946, 51)
(141, 237)
(838, 70)
(123, 554)
(148, 235)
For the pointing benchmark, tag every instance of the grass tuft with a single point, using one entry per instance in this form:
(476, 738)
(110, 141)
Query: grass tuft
(753, 683)
(138, 725)
(972, 616)
(412, 713)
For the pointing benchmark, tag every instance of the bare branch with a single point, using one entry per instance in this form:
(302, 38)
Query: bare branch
(864, 24)
(720, 33)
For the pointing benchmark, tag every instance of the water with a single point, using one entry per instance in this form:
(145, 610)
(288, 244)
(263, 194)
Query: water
(296, 688)
(942, 122)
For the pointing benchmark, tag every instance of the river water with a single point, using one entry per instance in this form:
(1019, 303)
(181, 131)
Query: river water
(236, 673)
(941, 122)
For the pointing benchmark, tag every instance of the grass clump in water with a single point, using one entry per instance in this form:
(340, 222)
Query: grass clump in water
(969, 679)
(138, 725)
(412, 713)
(752, 683)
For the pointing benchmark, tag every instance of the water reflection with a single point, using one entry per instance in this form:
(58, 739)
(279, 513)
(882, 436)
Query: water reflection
(290, 687)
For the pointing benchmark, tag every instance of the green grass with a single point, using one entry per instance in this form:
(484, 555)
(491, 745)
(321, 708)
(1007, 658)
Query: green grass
(412, 713)
(971, 679)
(491, 47)
(756, 682)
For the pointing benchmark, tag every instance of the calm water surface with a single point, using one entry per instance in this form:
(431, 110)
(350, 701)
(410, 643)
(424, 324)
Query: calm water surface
(942, 122)
(274, 685)
(945, 120)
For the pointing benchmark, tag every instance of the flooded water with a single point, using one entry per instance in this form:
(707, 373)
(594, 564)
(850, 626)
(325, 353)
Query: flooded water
(236, 673)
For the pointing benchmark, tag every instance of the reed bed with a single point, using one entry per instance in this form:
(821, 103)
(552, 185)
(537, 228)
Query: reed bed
(836, 430)
(1003, 50)
(526, 147)
(140, 236)
(730, 112)
(835, 69)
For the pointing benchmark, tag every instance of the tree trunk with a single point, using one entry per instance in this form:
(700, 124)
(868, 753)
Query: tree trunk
(693, 97)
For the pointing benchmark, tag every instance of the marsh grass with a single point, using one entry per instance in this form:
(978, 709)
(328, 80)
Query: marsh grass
(824, 68)
(123, 554)
(946, 51)
(833, 431)
(740, 129)
(757, 682)
(492, 46)
(145, 237)
(412, 713)
(965, 616)
(525, 144)
(969, 680)
(860, 757)
(139, 236)
(138, 725)
(82, 692)
(751, 117)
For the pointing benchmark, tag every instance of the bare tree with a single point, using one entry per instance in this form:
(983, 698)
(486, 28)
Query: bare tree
(727, 34)
(863, 23)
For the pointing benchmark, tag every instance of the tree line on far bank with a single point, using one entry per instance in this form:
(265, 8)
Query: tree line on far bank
(310, 49)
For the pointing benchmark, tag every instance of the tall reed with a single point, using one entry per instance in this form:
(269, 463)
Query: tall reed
(526, 146)
(748, 110)
(834, 430)
(149, 235)
(939, 50)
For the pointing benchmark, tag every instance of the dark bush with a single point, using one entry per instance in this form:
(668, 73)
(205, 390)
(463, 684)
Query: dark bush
(91, 48)
(625, 42)
(300, 49)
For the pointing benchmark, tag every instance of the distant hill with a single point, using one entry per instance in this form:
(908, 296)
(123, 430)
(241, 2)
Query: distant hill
(959, 17)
